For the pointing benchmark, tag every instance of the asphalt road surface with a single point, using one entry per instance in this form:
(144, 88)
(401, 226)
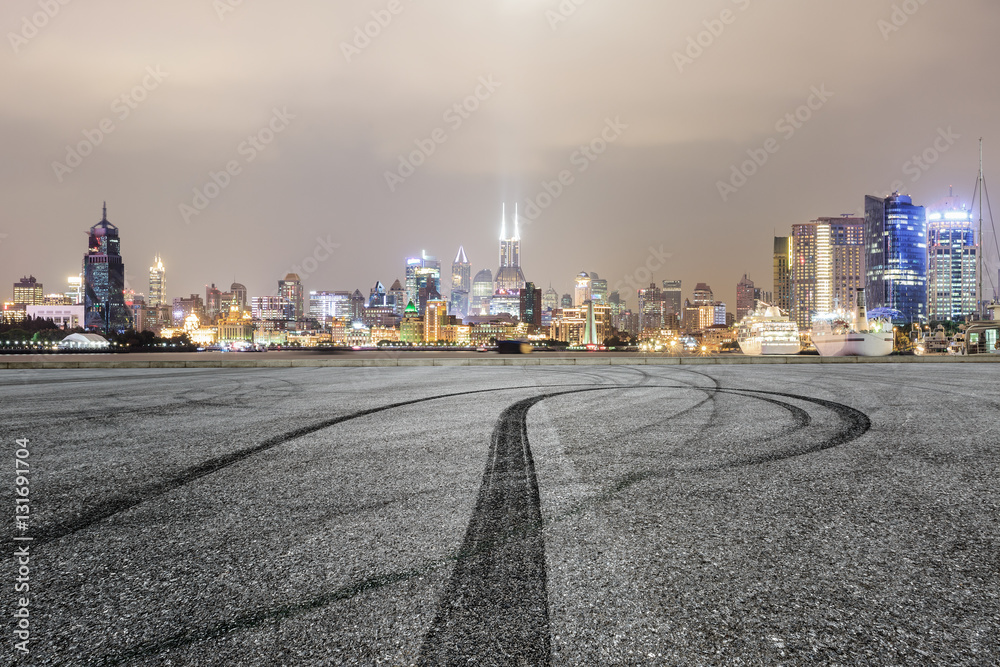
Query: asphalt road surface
(749, 515)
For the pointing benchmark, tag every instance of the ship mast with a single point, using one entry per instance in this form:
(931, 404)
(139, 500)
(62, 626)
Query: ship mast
(979, 250)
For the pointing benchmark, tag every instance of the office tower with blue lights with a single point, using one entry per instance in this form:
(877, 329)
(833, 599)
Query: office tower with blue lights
(952, 256)
(104, 280)
(895, 241)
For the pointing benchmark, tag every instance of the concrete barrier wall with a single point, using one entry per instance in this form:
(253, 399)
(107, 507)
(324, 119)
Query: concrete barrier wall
(496, 360)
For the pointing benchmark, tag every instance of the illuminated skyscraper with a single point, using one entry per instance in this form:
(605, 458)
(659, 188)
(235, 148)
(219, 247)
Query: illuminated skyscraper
(782, 273)
(744, 297)
(461, 284)
(396, 297)
(582, 289)
(703, 295)
(74, 289)
(952, 255)
(104, 280)
(290, 291)
(896, 255)
(509, 276)
(482, 290)
(157, 284)
(28, 291)
(461, 272)
(672, 298)
(598, 288)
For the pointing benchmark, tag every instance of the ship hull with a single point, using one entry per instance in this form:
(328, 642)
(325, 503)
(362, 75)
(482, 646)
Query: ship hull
(854, 344)
(757, 348)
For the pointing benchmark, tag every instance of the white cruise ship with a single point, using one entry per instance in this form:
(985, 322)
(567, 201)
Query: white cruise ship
(767, 331)
(853, 335)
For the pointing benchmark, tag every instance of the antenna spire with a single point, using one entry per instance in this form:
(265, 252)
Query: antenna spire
(503, 221)
(105, 217)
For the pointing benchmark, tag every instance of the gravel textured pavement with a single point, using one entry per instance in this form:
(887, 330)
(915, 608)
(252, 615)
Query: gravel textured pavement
(731, 515)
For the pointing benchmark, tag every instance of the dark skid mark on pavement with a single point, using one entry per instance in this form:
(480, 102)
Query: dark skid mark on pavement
(858, 424)
(495, 609)
(129, 499)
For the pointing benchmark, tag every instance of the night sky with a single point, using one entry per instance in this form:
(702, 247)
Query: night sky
(643, 108)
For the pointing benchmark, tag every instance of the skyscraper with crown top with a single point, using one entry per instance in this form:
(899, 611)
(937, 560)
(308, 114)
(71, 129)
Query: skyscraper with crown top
(509, 277)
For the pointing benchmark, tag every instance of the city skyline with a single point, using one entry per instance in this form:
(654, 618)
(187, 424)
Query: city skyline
(644, 152)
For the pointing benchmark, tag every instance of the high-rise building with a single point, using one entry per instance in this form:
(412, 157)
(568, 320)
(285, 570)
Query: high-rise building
(157, 284)
(28, 292)
(550, 300)
(357, 306)
(435, 319)
(703, 295)
(566, 301)
(236, 296)
(461, 272)
(803, 274)
(266, 308)
(377, 296)
(841, 246)
(744, 297)
(651, 308)
(461, 284)
(396, 297)
(782, 273)
(185, 307)
(582, 289)
(896, 256)
(290, 289)
(531, 305)
(422, 273)
(213, 302)
(482, 290)
(328, 305)
(672, 298)
(952, 256)
(74, 289)
(412, 264)
(104, 280)
(509, 277)
(598, 288)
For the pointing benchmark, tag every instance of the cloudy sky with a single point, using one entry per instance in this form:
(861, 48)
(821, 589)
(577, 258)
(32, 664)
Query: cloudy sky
(240, 139)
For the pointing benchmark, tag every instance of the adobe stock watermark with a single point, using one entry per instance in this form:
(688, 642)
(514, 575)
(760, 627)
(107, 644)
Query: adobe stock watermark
(919, 163)
(33, 24)
(701, 42)
(309, 264)
(581, 159)
(455, 116)
(786, 127)
(248, 149)
(121, 108)
(224, 7)
(562, 13)
(364, 34)
(899, 17)
(643, 274)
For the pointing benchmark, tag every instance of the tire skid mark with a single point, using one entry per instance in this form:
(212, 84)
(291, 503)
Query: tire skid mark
(496, 598)
(131, 498)
(525, 534)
